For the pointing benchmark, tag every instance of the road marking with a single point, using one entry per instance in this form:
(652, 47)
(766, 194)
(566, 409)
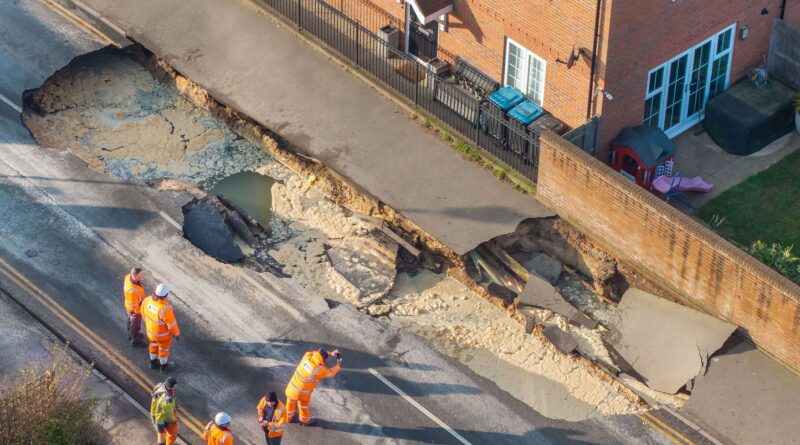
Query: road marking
(421, 408)
(674, 432)
(77, 21)
(170, 220)
(97, 15)
(120, 361)
(11, 104)
(656, 424)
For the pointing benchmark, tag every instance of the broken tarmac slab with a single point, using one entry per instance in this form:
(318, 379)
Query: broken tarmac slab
(545, 266)
(562, 340)
(204, 224)
(666, 343)
(540, 293)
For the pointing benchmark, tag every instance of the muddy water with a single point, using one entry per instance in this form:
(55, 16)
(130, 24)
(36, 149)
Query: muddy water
(251, 191)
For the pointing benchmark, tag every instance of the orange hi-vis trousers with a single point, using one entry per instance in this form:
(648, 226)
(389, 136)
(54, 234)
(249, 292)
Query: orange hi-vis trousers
(167, 433)
(159, 348)
(302, 405)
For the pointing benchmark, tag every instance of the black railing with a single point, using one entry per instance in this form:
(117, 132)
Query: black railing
(458, 109)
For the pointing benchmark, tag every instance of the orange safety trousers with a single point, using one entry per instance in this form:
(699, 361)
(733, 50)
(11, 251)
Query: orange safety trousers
(169, 434)
(159, 346)
(302, 402)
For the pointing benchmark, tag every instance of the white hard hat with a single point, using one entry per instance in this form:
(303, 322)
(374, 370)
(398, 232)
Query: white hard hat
(162, 290)
(222, 418)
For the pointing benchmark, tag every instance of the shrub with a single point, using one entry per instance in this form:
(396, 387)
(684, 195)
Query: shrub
(779, 258)
(45, 406)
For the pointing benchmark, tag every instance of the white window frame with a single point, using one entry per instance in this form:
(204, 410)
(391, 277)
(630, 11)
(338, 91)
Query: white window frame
(528, 54)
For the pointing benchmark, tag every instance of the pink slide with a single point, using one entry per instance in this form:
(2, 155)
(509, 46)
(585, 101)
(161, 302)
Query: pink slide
(662, 184)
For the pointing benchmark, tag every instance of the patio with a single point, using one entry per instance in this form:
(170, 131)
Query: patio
(698, 155)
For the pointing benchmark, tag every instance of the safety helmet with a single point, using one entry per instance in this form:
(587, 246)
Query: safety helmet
(222, 418)
(162, 290)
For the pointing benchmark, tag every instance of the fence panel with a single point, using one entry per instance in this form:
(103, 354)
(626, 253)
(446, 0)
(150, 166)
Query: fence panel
(456, 108)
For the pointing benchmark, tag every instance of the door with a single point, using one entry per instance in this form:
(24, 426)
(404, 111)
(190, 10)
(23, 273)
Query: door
(422, 41)
(678, 91)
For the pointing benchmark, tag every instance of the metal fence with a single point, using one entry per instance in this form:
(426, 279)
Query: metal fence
(459, 110)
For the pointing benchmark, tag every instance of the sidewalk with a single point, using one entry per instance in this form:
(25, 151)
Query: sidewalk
(254, 65)
(25, 342)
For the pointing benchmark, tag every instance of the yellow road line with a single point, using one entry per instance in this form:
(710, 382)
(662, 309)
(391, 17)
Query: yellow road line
(108, 351)
(665, 430)
(77, 20)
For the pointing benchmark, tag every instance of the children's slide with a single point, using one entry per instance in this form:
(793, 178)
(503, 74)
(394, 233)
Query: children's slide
(663, 184)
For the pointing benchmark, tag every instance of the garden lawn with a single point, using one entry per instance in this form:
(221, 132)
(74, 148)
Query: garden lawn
(764, 207)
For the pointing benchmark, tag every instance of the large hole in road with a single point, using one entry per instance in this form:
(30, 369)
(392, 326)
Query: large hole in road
(110, 110)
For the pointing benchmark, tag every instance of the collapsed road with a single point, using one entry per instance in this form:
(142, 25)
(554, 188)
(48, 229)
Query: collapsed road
(72, 230)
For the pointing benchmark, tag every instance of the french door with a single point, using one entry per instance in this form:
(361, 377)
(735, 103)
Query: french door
(677, 91)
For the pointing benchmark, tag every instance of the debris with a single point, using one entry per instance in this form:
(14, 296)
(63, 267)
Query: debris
(540, 293)
(485, 259)
(501, 292)
(562, 340)
(378, 224)
(377, 310)
(668, 344)
(252, 224)
(204, 224)
(508, 261)
(545, 266)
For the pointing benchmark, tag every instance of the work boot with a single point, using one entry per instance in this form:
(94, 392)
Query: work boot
(154, 364)
(311, 422)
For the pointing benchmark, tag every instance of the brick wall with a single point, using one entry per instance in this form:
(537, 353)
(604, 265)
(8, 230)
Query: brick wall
(477, 31)
(646, 33)
(670, 248)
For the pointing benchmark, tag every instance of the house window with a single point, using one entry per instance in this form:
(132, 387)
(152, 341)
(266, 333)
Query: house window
(652, 103)
(525, 71)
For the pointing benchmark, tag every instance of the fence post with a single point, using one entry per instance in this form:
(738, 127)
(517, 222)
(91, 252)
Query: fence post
(299, 14)
(358, 44)
(416, 83)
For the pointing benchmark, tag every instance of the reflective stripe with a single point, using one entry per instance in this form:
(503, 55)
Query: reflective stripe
(170, 326)
(163, 334)
(312, 375)
(222, 440)
(304, 391)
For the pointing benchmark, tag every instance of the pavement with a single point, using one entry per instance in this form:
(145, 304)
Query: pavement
(699, 155)
(27, 345)
(265, 71)
(69, 234)
(746, 398)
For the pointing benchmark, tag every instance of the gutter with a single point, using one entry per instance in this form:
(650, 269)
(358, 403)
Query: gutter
(783, 9)
(595, 43)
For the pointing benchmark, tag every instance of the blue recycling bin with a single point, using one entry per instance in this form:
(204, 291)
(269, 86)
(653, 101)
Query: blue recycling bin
(519, 118)
(497, 105)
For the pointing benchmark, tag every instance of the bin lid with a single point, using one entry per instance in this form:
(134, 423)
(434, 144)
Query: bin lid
(526, 112)
(547, 122)
(506, 98)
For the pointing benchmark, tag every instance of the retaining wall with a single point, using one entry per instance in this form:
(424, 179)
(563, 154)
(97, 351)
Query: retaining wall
(670, 248)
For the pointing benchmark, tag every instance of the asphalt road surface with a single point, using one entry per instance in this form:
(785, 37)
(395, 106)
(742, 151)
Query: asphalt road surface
(68, 235)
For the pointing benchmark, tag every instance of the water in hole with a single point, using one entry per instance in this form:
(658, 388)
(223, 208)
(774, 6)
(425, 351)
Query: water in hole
(250, 191)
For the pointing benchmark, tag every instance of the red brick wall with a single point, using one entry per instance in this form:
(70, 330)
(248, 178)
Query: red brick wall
(477, 31)
(670, 248)
(646, 33)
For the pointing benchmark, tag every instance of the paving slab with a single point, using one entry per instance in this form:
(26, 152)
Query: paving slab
(254, 65)
(666, 343)
(746, 398)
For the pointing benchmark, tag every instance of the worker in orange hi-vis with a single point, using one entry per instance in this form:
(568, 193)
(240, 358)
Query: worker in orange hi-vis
(161, 326)
(272, 418)
(309, 372)
(134, 294)
(218, 431)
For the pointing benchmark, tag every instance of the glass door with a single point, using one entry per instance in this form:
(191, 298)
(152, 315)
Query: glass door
(673, 112)
(698, 81)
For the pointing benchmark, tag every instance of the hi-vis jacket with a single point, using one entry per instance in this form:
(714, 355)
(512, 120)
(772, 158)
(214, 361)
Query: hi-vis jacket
(134, 294)
(309, 372)
(276, 425)
(159, 319)
(215, 435)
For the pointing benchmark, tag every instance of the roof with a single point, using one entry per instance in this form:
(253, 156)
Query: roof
(429, 10)
(650, 143)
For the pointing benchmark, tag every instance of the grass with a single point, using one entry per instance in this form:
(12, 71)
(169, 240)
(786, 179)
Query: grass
(765, 207)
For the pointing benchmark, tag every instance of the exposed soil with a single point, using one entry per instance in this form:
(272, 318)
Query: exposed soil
(125, 113)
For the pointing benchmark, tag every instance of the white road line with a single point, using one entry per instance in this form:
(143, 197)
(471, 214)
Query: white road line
(170, 220)
(421, 408)
(275, 298)
(11, 104)
(97, 15)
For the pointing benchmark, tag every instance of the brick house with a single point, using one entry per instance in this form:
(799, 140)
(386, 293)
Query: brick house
(657, 61)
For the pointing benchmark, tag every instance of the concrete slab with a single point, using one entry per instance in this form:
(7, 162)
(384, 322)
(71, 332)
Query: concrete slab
(698, 155)
(666, 343)
(325, 112)
(563, 341)
(545, 266)
(540, 293)
(746, 398)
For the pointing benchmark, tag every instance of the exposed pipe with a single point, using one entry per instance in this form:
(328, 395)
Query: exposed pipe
(783, 8)
(594, 59)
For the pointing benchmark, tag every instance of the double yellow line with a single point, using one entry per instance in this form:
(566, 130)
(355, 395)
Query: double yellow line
(667, 431)
(78, 21)
(108, 351)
